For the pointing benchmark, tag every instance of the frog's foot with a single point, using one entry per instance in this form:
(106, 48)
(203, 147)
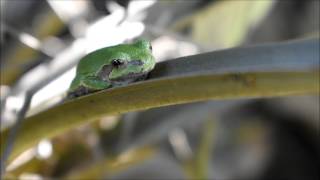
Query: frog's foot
(89, 85)
(142, 77)
(94, 83)
(81, 91)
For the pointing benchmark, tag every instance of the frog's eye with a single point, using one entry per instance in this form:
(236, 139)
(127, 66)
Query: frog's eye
(117, 62)
(150, 47)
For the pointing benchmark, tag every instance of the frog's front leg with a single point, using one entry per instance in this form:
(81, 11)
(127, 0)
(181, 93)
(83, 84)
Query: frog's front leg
(88, 85)
(94, 83)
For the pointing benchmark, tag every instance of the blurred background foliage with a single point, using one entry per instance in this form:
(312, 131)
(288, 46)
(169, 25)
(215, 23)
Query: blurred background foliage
(234, 139)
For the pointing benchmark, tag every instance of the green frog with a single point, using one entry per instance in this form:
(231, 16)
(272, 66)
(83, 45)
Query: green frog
(111, 67)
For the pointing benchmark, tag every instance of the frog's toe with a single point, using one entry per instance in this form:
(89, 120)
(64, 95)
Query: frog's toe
(142, 77)
(81, 91)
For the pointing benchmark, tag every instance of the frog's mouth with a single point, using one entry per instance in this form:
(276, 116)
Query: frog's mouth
(130, 77)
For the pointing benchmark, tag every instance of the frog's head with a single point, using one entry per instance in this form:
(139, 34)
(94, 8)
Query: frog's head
(131, 62)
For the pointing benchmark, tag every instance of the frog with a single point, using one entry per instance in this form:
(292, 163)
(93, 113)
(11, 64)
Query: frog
(112, 66)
